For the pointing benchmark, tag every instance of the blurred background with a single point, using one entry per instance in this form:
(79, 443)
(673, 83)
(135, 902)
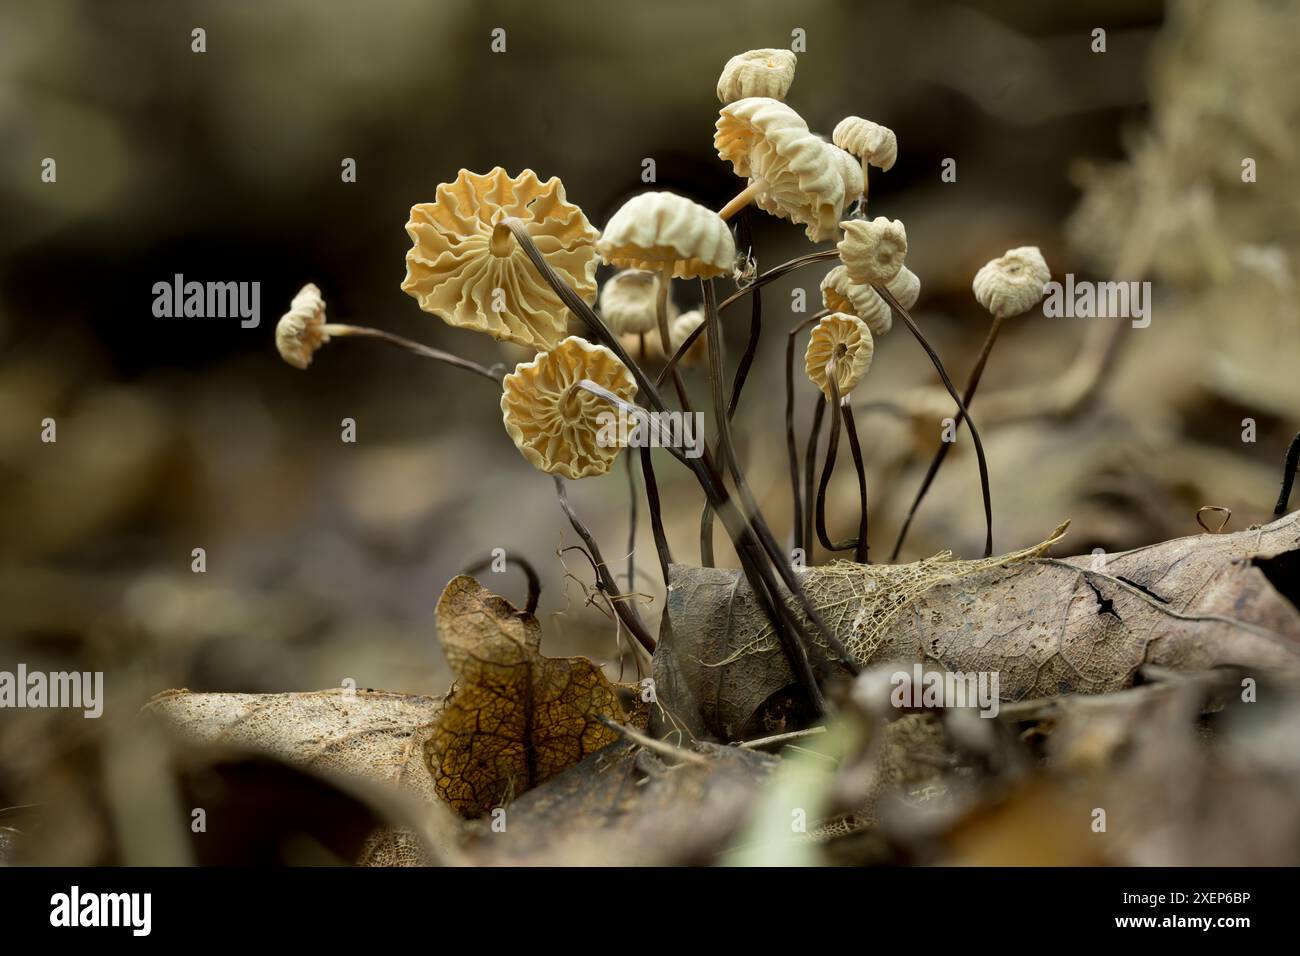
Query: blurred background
(325, 559)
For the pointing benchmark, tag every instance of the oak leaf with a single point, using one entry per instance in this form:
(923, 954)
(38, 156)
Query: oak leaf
(514, 719)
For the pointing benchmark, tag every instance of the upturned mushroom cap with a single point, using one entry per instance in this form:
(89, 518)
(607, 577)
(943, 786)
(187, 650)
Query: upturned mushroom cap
(629, 301)
(467, 268)
(1012, 283)
(873, 251)
(870, 142)
(757, 73)
(556, 425)
(841, 294)
(301, 330)
(849, 340)
(798, 176)
(656, 230)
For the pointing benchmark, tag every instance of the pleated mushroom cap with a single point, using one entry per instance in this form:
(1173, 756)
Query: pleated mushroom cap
(554, 424)
(849, 340)
(870, 142)
(799, 177)
(629, 302)
(873, 250)
(467, 268)
(1013, 283)
(656, 230)
(301, 330)
(757, 73)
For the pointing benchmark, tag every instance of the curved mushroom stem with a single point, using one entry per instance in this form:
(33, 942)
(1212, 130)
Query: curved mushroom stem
(917, 334)
(792, 450)
(1288, 477)
(530, 573)
(972, 383)
(336, 330)
(631, 524)
(851, 429)
(832, 447)
(741, 199)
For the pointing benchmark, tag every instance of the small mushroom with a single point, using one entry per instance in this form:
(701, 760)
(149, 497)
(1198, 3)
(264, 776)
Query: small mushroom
(757, 73)
(663, 231)
(792, 173)
(302, 330)
(466, 267)
(851, 172)
(872, 143)
(556, 424)
(841, 294)
(628, 301)
(1012, 284)
(873, 251)
(847, 339)
(683, 326)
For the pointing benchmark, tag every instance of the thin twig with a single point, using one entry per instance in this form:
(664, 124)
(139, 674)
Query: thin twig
(661, 747)
(626, 611)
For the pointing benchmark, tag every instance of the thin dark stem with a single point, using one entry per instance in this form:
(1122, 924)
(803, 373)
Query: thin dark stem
(972, 383)
(832, 446)
(851, 429)
(1288, 477)
(737, 385)
(626, 611)
(656, 513)
(902, 313)
(770, 276)
(792, 449)
(422, 350)
(631, 529)
(809, 473)
(530, 572)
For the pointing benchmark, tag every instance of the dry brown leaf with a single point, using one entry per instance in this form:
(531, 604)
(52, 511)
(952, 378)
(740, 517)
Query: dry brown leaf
(1047, 627)
(514, 719)
(365, 736)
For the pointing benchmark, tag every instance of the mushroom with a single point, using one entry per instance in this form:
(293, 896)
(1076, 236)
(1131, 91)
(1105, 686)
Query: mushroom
(757, 73)
(847, 340)
(556, 423)
(465, 266)
(627, 301)
(1012, 284)
(302, 330)
(873, 144)
(683, 326)
(841, 294)
(792, 173)
(873, 251)
(673, 235)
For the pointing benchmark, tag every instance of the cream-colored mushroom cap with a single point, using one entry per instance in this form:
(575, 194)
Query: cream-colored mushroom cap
(1013, 283)
(850, 172)
(629, 301)
(557, 426)
(841, 294)
(466, 267)
(870, 142)
(795, 172)
(847, 338)
(658, 230)
(873, 250)
(301, 330)
(757, 73)
(683, 326)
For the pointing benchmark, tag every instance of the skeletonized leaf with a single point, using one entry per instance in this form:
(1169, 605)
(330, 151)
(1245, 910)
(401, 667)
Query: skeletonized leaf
(514, 719)
(1046, 627)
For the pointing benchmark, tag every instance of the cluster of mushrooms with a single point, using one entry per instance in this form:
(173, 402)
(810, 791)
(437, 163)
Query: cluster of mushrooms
(512, 257)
